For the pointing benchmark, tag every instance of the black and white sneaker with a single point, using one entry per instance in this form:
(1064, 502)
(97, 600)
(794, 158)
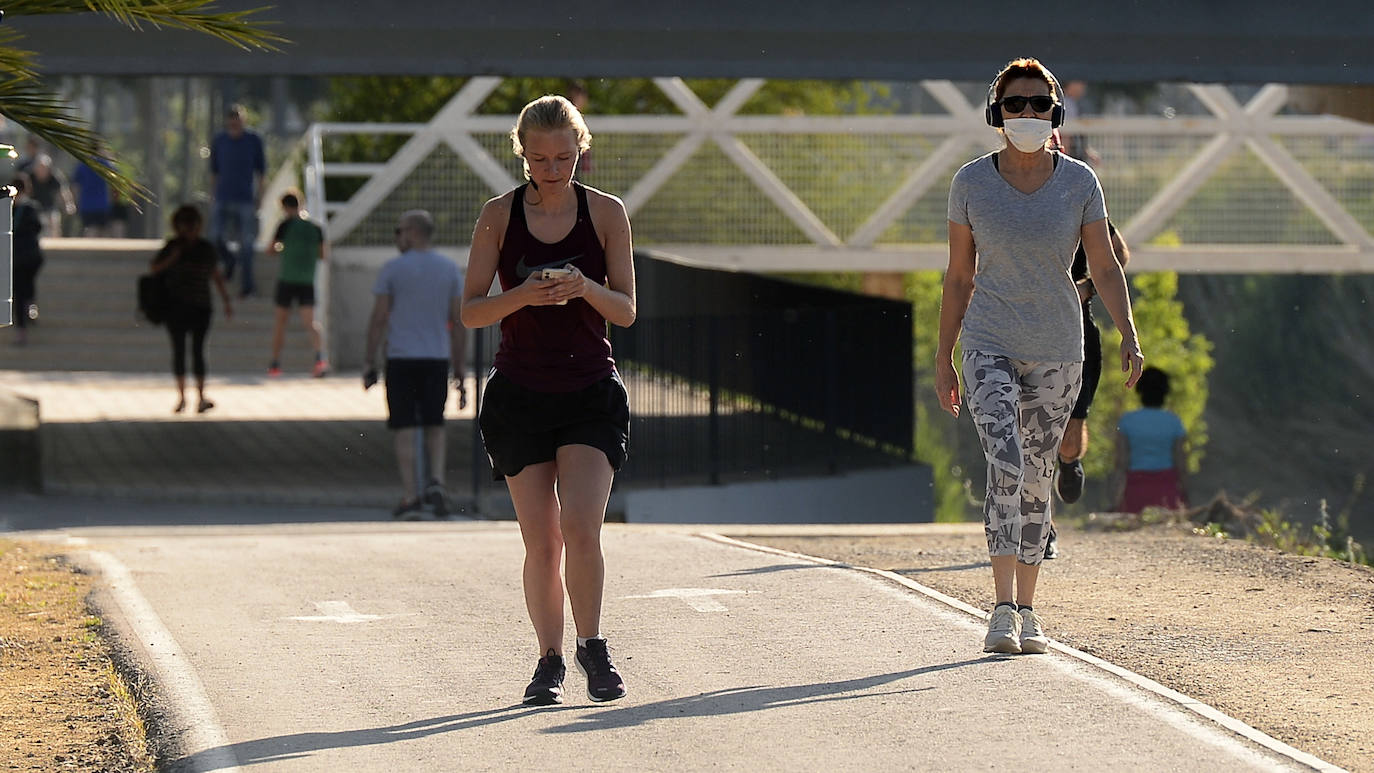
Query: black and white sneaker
(1070, 483)
(546, 688)
(437, 498)
(1052, 544)
(603, 680)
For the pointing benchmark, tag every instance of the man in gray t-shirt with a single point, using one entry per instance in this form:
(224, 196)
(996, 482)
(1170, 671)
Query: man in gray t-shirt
(418, 295)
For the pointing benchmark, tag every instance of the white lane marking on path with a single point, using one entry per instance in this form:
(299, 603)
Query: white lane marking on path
(203, 740)
(1149, 685)
(337, 612)
(696, 598)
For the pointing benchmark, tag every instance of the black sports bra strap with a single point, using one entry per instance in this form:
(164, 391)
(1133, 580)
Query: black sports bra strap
(583, 213)
(517, 211)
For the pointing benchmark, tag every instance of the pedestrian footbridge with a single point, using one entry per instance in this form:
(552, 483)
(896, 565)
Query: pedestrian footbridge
(1220, 179)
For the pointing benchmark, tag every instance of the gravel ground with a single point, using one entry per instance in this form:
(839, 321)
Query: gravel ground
(1279, 641)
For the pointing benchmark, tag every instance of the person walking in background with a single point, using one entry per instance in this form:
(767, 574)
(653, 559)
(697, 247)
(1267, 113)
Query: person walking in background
(1151, 462)
(555, 416)
(1074, 445)
(190, 264)
(93, 198)
(301, 245)
(417, 298)
(26, 226)
(1072, 143)
(237, 166)
(51, 193)
(1015, 219)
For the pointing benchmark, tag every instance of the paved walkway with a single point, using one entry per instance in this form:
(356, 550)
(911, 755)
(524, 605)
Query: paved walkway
(388, 647)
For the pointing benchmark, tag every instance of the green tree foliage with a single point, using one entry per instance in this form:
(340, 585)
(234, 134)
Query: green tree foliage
(937, 433)
(27, 101)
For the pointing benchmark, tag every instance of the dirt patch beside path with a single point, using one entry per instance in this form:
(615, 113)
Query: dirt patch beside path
(1281, 642)
(64, 706)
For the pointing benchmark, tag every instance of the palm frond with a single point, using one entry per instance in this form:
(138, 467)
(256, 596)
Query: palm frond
(25, 101)
(15, 61)
(238, 28)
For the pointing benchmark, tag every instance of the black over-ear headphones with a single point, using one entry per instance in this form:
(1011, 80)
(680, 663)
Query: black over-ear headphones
(993, 112)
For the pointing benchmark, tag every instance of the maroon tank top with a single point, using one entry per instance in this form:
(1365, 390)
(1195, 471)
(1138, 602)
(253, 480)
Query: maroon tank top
(553, 348)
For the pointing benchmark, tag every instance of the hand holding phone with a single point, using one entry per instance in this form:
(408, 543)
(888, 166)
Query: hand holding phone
(558, 273)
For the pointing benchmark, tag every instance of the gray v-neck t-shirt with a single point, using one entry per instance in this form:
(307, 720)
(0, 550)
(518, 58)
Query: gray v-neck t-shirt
(1024, 304)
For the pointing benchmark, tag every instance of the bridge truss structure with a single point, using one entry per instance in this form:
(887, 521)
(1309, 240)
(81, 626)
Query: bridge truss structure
(1232, 181)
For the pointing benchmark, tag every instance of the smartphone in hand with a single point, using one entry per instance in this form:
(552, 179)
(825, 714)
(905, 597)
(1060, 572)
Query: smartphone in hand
(557, 273)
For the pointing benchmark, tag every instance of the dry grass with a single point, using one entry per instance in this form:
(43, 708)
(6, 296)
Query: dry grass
(66, 705)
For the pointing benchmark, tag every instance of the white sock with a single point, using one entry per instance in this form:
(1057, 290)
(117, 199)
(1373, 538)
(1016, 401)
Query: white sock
(581, 642)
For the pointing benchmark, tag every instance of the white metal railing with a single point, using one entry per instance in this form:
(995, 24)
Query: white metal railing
(766, 183)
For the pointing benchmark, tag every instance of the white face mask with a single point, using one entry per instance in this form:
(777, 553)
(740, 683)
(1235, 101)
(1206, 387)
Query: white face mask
(1028, 134)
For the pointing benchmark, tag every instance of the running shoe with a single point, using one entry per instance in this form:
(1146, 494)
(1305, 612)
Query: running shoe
(408, 510)
(1004, 631)
(1052, 545)
(274, 370)
(1070, 484)
(546, 688)
(603, 680)
(437, 498)
(321, 368)
(1033, 638)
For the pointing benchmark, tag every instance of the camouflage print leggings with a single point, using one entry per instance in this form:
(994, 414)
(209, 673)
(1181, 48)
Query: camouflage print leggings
(1020, 409)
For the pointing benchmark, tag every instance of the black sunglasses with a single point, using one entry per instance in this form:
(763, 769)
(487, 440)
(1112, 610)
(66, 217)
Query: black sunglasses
(1039, 104)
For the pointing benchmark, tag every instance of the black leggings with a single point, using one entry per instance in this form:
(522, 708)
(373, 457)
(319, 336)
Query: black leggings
(1092, 365)
(25, 272)
(196, 321)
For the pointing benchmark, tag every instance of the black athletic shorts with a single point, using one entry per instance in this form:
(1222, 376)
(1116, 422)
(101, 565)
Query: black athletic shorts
(416, 391)
(521, 427)
(1092, 366)
(300, 292)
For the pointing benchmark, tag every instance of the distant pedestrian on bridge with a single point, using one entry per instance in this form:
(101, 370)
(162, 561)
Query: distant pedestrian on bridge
(417, 297)
(555, 416)
(191, 265)
(1015, 219)
(237, 166)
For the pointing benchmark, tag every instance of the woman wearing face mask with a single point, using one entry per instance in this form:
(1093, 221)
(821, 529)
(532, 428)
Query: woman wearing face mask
(1016, 217)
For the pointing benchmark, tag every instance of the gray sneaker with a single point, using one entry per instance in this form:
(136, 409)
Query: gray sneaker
(1004, 631)
(1033, 638)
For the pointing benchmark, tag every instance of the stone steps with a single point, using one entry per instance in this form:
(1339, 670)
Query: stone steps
(88, 317)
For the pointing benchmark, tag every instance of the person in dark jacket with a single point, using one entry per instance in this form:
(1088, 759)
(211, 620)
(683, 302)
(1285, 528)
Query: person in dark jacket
(28, 256)
(190, 263)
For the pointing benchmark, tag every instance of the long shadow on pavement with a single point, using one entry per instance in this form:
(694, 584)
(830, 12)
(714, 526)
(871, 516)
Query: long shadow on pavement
(715, 703)
(747, 699)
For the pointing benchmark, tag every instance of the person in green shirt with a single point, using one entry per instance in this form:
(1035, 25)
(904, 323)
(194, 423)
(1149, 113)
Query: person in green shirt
(301, 245)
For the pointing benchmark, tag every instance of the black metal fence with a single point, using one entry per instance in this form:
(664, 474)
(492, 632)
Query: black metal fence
(736, 377)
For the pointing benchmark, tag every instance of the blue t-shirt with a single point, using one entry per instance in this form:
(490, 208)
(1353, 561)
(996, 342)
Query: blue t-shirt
(234, 162)
(1151, 433)
(94, 196)
(422, 285)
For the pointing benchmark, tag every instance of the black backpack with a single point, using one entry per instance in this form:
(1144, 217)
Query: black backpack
(154, 297)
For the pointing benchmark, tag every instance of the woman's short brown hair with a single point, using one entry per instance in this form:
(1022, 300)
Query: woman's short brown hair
(1025, 67)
